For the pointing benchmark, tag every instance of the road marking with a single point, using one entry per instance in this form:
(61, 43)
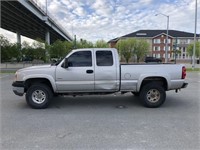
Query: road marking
(4, 76)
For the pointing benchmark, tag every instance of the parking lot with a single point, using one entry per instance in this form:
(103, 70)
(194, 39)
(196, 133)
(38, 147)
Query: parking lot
(101, 122)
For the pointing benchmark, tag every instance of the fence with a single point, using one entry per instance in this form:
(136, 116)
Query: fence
(18, 65)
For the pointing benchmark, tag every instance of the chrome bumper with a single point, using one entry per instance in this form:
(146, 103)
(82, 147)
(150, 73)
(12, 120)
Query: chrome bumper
(18, 88)
(18, 91)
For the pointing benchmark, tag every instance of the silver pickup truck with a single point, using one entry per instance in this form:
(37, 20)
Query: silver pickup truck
(98, 71)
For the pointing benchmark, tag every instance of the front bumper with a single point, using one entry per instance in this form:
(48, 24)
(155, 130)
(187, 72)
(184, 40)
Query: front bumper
(18, 88)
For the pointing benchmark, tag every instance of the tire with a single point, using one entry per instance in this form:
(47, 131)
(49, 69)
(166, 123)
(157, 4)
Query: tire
(136, 94)
(152, 95)
(38, 96)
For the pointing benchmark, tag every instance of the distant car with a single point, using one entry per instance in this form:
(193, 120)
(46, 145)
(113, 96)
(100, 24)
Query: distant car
(152, 59)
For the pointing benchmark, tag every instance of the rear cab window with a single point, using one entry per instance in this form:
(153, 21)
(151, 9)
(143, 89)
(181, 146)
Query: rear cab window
(104, 58)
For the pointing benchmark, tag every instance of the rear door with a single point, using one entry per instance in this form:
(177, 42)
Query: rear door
(105, 71)
(79, 76)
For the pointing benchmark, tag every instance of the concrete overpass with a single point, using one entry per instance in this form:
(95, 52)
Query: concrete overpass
(25, 17)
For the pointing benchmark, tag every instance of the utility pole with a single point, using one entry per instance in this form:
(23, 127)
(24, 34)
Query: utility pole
(46, 7)
(175, 50)
(75, 42)
(166, 48)
(166, 42)
(195, 30)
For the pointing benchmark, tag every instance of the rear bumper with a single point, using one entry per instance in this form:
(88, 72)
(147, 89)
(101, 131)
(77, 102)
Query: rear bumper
(18, 88)
(184, 85)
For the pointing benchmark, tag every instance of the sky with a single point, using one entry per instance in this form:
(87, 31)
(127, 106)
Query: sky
(107, 19)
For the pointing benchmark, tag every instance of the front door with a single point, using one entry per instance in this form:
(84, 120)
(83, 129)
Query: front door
(79, 76)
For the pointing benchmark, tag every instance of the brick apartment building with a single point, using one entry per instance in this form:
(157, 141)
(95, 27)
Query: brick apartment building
(157, 41)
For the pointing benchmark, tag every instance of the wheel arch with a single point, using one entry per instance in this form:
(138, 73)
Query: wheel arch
(156, 79)
(32, 81)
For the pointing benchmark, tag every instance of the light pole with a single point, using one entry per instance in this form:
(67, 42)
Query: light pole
(46, 7)
(195, 30)
(166, 42)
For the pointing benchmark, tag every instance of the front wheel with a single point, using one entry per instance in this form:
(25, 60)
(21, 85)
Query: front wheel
(152, 95)
(38, 96)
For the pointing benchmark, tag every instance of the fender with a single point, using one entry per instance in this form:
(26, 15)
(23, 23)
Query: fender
(42, 76)
(153, 75)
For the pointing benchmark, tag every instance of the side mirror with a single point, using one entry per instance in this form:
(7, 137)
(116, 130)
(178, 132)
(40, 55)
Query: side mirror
(65, 64)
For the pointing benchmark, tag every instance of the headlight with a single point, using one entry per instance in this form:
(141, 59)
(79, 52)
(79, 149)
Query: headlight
(15, 79)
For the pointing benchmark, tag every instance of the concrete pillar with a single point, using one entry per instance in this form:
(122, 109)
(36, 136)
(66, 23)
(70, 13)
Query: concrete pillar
(18, 38)
(47, 37)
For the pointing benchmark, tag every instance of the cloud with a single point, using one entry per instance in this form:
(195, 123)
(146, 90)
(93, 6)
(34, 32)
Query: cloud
(106, 19)
(12, 37)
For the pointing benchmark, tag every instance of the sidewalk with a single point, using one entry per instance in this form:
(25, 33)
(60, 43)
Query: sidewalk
(190, 66)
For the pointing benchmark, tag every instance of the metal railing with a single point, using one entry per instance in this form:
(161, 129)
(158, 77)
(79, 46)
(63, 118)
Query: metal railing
(45, 11)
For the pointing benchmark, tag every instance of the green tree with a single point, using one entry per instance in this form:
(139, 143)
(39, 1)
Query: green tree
(101, 44)
(129, 47)
(197, 51)
(15, 51)
(141, 49)
(9, 50)
(60, 49)
(84, 44)
(5, 44)
(39, 51)
(27, 51)
(125, 49)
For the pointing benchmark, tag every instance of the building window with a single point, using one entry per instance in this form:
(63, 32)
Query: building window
(183, 49)
(156, 41)
(167, 55)
(183, 41)
(169, 41)
(141, 34)
(169, 48)
(158, 55)
(156, 48)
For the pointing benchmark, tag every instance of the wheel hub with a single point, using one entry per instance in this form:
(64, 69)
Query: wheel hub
(38, 96)
(153, 95)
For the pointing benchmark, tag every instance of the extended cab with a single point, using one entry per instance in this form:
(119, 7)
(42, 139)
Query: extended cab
(98, 71)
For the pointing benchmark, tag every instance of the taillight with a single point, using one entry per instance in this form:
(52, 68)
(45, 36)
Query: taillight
(183, 72)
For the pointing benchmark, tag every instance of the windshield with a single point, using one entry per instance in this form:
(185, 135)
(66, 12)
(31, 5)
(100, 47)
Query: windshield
(56, 62)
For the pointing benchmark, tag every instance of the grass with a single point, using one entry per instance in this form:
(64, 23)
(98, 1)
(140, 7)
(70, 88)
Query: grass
(7, 71)
(191, 69)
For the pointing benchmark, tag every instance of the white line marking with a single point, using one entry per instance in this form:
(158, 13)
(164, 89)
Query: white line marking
(4, 76)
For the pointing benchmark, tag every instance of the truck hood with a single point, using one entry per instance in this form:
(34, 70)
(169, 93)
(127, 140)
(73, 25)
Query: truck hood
(35, 68)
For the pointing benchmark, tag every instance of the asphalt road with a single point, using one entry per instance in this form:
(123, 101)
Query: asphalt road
(96, 122)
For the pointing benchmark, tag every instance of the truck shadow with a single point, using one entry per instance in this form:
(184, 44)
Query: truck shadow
(96, 101)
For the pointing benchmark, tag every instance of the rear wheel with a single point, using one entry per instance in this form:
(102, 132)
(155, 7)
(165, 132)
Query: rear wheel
(38, 96)
(152, 95)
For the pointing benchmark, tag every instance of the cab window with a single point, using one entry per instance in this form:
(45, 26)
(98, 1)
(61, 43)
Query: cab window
(80, 59)
(104, 58)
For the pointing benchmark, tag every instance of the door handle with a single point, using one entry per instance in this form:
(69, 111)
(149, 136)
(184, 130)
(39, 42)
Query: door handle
(89, 71)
